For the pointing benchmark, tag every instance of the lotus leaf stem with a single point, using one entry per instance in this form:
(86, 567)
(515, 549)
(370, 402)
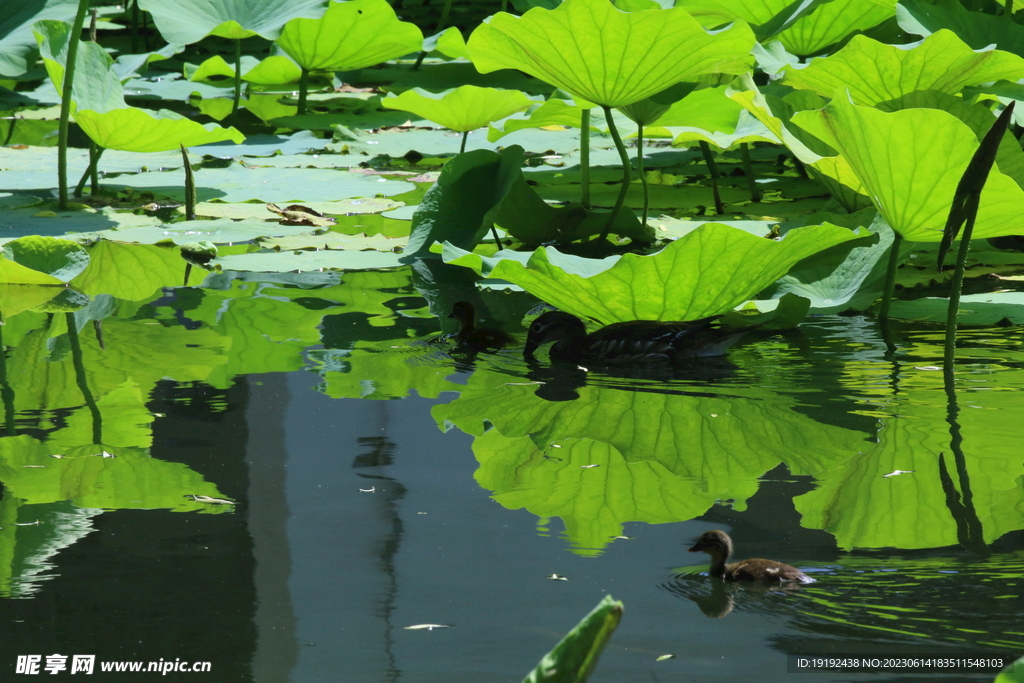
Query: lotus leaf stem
(627, 176)
(190, 187)
(585, 158)
(81, 378)
(135, 27)
(709, 159)
(465, 136)
(890, 278)
(640, 170)
(6, 392)
(65, 104)
(748, 170)
(303, 90)
(238, 76)
(954, 291)
(441, 23)
(91, 174)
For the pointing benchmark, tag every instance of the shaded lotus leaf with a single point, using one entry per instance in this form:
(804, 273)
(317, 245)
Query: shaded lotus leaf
(554, 112)
(746, 129)
(872, 72)
(709, 271)
(130, 271)
(56, 258)
(99, 106)
(609, 57)
(304, 261)
(992, 308)
(976, 29)
(189, 21)
(350, 35)
(575, 656)
(463, 109)
(911, 177)
(334, 240)
(17, 44)
(274, 70)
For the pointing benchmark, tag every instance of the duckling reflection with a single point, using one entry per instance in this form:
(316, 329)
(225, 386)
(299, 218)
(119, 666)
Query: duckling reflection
(471, 338)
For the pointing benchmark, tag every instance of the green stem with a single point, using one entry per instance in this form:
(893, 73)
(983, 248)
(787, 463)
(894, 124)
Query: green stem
(890, 278)
(135, 27)
(626, 173)
(585, 158)
(95, 152)
(709, 159)
(954, 292)
(303, 90)
(640, 170)
(65, 104)
(238, 75)
(465, 136)
(442, 23)
(190, 186)
(6, 392)
(504, 5)
(748, 170)
(82, 380)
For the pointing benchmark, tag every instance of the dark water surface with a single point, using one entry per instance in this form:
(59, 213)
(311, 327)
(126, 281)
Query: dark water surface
(357, 518)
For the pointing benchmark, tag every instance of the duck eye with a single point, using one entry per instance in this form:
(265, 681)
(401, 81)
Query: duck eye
(536, 327)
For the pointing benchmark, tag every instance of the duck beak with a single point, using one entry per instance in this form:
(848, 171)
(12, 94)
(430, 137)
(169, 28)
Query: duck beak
(451, 315)
(695, 548)
(528, 350)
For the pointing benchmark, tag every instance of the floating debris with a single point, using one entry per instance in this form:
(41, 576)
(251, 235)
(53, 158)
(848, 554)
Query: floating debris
(662, 658)
(372, 489)
(427, 627)
(58, 455)
(558, 577)
(898, 472)
(35, 523)
(208, 499)
(33, 465)
(927, 367)
(587, 467)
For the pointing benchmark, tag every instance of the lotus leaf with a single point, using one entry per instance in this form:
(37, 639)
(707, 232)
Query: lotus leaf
(911, 178)
(273, 70)
(977, 29)
(709, 271)
(349, 36)
(61, 259)
(609, 57)
(17, 43)
(188, 21)
(451, 43)
(217, 66)
(99, 107)
(130, 271)
(304, 261)
(553, 112)
(872, 72)
(463, 109)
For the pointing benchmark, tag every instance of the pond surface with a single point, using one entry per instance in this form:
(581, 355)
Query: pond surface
(380, 483)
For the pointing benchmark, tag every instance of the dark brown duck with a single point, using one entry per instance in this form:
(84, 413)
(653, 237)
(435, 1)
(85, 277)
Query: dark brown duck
(718, 545)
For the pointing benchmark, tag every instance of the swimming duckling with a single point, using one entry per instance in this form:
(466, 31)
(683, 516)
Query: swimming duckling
(475, 338)
(718, 545)
(637, 342)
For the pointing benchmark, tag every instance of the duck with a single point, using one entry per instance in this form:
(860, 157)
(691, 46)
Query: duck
(474, 338)
(643, 342)
(718, 545)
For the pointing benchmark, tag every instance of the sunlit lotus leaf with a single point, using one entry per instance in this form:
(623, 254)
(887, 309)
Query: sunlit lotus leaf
(746, 129)
(269, 261)
(350, 35)
(189, 21)
(273, 70)
(977, 29)
(911, 177)
(17, 44)
(16, 298)
(333, 240)
(709, 271)
(130, 271)
(217, 66)
(99, 106)
(577, 653)
(609, 57)
(553, 112)
(452, 44)
(872, 72)
(463, 109)
(58, 258)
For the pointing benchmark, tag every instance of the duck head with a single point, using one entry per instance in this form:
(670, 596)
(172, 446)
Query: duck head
(552, 326)
(463, 312)
(715, 543)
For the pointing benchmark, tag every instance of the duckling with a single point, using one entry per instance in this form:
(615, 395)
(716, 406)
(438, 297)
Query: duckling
(645, 342)
(472, 337)
(718, 545)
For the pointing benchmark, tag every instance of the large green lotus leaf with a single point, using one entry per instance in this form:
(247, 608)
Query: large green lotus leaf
(384, 370)
(349, 36)
(832, 21)
(1013, 673)
(701, 449)
(862, 507)
(99, 106)
(463, 109)
(709, 271)
(910, 176)
(975, 28)
(61, 259)
(17, 44)
(872, 72)
(130, 271)
(609, 57)
(217, 66)
(142, 130)
(273, 71)
(188, 21)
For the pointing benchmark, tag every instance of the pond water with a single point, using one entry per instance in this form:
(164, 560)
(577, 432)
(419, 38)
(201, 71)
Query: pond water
(380, 483)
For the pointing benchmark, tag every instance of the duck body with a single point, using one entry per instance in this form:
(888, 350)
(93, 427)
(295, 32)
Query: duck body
(718, 545)
(472, 337)
(644, 342)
